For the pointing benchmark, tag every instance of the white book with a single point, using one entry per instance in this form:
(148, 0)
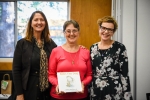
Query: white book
(69, 81)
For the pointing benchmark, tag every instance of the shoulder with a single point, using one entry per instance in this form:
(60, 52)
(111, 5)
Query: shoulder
(57, 49)
(119, 45)
(57, 52)
(23, 44)
(84, 52)
(52, 43)
(93, 45)
(22, 41)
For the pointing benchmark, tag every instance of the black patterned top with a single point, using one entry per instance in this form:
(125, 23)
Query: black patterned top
(110, 73)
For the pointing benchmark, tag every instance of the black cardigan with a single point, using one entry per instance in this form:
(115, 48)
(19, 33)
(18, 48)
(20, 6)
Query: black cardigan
(22, 61)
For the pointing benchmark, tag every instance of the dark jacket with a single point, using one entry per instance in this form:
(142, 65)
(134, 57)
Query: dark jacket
(22, 61)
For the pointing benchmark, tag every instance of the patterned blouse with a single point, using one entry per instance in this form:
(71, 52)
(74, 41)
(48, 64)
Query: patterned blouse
(110, 73)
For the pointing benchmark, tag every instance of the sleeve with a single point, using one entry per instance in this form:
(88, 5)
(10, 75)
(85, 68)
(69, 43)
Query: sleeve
(91, 56)
(124, 73)
(52, 75)
(17, 68)
(88, 76)
(93, 52)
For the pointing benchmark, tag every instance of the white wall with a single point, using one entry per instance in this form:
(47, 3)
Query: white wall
(133, 17)
(143, 48)
(128, 38)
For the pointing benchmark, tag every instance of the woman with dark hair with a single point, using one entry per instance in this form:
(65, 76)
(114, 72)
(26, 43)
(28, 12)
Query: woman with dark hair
(70, 57)
(30, 62)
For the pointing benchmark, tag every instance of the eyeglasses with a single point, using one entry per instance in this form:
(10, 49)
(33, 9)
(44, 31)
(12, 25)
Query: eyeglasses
(69, 31)
(108, 29)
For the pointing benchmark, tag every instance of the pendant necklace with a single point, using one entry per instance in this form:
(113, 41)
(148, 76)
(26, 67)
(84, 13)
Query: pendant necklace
(73, 59)
(103, 52)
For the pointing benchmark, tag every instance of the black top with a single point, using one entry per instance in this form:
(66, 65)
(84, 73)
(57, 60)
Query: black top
(22, 62)
(110, 73)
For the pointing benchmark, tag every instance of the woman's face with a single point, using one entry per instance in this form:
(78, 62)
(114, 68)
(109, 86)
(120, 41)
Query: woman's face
(71, 34)
(38, 23)
(106, 31)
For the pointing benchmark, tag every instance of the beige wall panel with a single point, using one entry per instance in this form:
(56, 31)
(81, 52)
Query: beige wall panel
(86, 12)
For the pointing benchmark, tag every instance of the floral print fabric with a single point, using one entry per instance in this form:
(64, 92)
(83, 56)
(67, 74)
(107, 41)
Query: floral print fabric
(110, 73)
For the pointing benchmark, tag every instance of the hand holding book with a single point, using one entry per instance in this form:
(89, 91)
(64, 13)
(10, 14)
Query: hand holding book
(59, 92)
(82, 88)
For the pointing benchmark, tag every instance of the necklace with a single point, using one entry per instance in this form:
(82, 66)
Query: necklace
(72, 50)
(103, 52)
(73, 59)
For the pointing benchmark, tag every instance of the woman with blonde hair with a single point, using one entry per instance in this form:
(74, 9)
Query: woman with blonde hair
(109, 64)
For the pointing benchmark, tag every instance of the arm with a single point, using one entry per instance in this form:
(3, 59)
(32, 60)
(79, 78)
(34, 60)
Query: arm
(17, 68)
(124, 73)
(88, 76)
(52, 70)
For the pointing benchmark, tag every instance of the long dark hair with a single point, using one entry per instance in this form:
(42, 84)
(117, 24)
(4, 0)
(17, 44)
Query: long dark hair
(29, 31)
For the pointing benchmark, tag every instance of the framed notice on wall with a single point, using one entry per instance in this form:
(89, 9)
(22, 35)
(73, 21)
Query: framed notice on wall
(69, 81)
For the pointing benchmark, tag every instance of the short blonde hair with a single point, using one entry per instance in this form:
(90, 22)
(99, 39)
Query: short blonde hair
(108, 19)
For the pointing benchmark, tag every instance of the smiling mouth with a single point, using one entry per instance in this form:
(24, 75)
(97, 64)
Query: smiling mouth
(105, 35)
(38, 26)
